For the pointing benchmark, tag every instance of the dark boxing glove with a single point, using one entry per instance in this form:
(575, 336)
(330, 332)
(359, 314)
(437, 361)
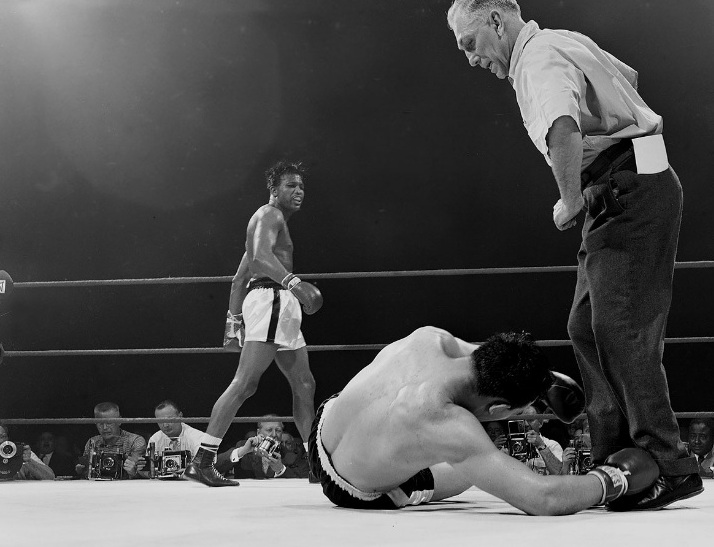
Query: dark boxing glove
(308, 294)
(627, 472)
(565, 398)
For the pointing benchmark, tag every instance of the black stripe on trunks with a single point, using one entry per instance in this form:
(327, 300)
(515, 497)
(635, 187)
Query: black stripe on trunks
(274, 316)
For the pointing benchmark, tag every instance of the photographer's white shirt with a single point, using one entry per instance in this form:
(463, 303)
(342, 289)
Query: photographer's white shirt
(189, 439)
(538, 464)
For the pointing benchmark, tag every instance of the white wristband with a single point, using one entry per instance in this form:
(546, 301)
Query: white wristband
(290, 280)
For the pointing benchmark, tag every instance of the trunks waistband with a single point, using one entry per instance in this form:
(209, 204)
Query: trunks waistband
(330, 470)
(610, 158)
(263, 283)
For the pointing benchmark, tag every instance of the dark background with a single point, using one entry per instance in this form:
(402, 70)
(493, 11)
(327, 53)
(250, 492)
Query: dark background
(134, 135)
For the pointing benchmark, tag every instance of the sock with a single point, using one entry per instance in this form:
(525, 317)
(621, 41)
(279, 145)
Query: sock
(209, 444)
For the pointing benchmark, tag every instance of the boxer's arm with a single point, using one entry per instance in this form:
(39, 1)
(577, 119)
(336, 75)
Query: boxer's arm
(458, 438)
(565, 148)
(265, 237)
(239, 286)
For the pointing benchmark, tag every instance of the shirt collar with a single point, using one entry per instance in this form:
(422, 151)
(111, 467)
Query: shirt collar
(527, 32)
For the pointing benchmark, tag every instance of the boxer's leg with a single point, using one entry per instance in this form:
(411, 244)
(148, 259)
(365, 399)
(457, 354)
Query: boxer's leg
(255, 358)
(296, 368)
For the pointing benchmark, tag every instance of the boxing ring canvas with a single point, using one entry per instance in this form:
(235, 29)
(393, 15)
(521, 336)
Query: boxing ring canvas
(294, 512)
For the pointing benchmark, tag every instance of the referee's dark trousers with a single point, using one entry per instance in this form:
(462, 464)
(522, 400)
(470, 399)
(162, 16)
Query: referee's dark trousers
(622, 298)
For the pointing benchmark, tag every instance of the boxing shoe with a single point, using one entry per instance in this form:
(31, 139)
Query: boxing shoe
(664, 491)
(205, 472)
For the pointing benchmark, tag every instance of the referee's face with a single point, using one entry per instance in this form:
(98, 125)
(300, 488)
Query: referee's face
(480, 42)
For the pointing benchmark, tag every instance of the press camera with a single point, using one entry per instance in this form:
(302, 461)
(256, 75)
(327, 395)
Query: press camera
(518, 446)
(169, 464)
(269, 446)
(10, 460)
(105, 464)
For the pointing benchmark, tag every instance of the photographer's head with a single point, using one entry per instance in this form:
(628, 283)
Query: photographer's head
(169, 409)
(4, 433)
(701, 436)
(495, 430)
(108, 430)
(46, 442)
(531, 409)
(270, 429)
(512, 368)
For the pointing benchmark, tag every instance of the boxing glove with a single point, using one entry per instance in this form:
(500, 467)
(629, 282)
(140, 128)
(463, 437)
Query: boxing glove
(234, 333)
(627, 472)
(307, 293)
(565, 397)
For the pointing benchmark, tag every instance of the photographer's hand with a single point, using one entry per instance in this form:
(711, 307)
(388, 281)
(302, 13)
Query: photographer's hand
(501, 443)
(247, 447)
(569, 455)
(130, 466)
(35, 469)
(535, 439)
(276, 464)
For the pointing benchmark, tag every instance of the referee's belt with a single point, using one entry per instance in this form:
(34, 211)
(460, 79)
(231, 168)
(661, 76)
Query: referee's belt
(263, 283)
(643, 155)
(618, 156)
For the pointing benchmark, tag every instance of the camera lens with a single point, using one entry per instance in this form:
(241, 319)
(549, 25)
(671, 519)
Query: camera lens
(108, 462)
(8, 449)
(170, 464)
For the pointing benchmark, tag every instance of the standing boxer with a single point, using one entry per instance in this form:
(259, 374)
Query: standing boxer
(264, 316)
(605, 146)
(405, 430)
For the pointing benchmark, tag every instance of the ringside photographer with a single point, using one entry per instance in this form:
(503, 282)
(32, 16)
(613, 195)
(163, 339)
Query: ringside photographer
(19, 462)
(172, 447)
(114, 453)
(262, 456)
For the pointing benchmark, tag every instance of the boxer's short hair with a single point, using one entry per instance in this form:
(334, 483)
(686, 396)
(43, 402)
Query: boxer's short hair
(511, 366)
(273, 174)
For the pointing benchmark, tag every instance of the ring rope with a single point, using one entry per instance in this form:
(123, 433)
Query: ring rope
(197, 420)
(255, 419)
(324, 347)
(332, 275)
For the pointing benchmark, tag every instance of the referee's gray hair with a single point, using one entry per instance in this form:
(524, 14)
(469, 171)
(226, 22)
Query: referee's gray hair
(478, 7)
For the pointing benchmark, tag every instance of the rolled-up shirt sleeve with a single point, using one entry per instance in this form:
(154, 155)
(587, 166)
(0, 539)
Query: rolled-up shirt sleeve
(554, 88)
